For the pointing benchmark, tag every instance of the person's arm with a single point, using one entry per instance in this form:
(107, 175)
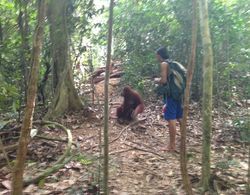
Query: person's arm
(164, 72)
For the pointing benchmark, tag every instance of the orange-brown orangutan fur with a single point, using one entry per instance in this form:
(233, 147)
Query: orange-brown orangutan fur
(131, 106)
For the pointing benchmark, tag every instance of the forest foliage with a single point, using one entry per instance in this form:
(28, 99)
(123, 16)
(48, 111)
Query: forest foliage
(140, 27)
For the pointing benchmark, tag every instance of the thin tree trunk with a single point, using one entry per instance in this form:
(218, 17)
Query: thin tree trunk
(24, 51)
(106, 105)
(207, 93)
(65, 97)
(1, 41)
(248, 175)
(17, 183)
(91, 70)
(191, 65)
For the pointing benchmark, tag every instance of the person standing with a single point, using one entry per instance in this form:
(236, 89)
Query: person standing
(172, 109)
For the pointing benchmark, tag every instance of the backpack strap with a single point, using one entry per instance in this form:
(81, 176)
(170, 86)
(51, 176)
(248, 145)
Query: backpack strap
(170, 70)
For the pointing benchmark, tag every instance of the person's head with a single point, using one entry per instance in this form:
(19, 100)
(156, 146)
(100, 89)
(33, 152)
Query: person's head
(162, 54)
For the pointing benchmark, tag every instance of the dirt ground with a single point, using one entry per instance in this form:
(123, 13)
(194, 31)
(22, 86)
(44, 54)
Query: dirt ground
(137, 164)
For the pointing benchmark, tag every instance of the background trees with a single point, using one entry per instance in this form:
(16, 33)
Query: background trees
(139, 28)
(74, 39)
(139, 31)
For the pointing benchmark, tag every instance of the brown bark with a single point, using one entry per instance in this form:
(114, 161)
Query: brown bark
(24, 52)
(1, 40)
(106, 105)
(207, 93)
(17, 182)
(65, 97)
(91, 70)
(248, 173)
(190, 71)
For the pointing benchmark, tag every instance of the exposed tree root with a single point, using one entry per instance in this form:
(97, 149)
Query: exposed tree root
(5, 154)
(120, 151)
(51, 138)
(47, 172)
(125, 128)
(219, 184)
(54, 139)
(60, 162)
(121, 132)
(148, 151)
(10, 147)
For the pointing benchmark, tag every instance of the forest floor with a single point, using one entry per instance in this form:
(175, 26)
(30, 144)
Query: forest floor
(137, 164)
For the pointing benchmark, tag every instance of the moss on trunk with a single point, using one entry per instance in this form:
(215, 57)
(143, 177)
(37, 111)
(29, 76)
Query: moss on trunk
(207, 93)
(65, 96)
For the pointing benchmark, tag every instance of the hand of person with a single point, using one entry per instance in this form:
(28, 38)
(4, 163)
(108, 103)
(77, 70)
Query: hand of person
(157, 80)
(164, 107)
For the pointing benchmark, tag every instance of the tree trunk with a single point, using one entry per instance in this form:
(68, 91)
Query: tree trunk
(24, 51)
(17, 183)
(1, 41)
(207, 93)
(191, 65)
(91, 70)
(65, 97)
(248, 175)
(106, 105)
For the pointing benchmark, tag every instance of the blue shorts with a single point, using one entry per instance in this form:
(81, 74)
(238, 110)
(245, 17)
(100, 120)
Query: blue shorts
(173, 109)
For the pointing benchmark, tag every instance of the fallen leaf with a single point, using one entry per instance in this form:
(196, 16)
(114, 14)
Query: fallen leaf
(7, 184)
(30, 189)
(123, 193)
(5, 192)
(149, 178)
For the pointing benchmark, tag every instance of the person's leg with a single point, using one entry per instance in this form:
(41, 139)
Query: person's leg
(170, 116)
(172, 135)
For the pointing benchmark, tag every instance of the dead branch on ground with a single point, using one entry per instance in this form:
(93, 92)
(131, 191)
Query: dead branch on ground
(148, 151)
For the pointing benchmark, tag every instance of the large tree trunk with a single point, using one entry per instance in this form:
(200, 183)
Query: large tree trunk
(65, 97)
(191, 65)
(207, 93)
(106, 105)
(17, 183)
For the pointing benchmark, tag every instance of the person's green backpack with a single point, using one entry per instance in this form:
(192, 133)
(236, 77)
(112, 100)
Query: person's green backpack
(176, 80)
(176, 84)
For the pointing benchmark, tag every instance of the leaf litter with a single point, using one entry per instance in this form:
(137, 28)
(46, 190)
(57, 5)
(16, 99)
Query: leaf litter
(134, 166)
